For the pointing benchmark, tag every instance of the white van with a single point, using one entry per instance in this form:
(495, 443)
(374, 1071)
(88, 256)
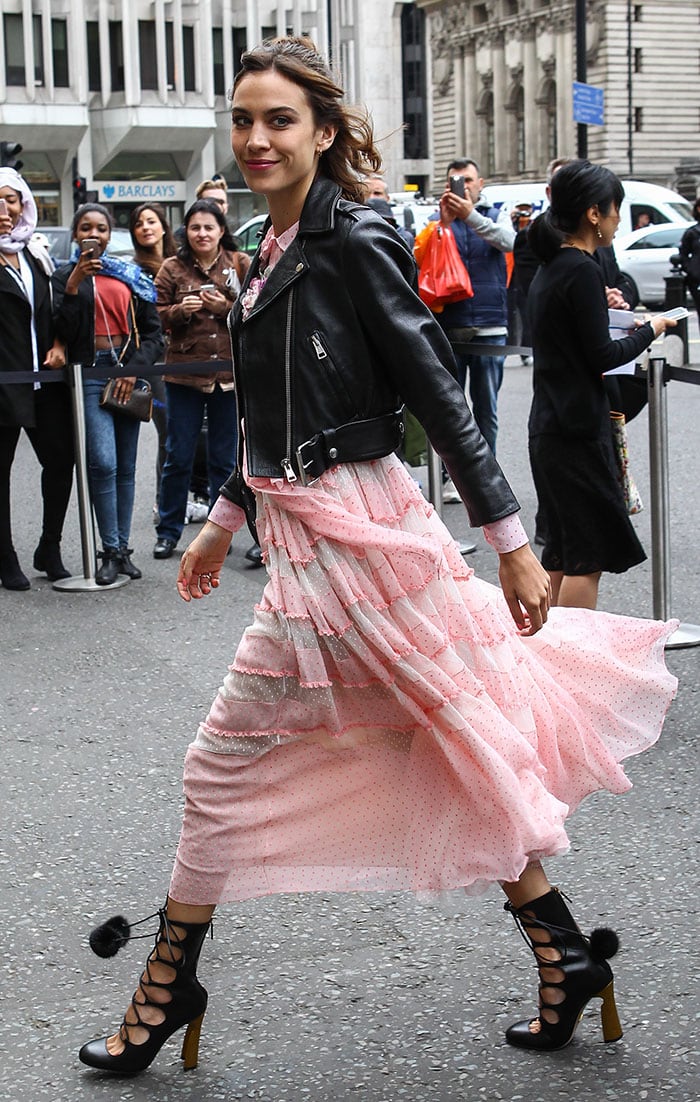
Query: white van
(649, 203)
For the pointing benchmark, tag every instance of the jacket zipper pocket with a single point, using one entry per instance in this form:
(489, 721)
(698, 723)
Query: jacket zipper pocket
(318, 348)
(286, 464)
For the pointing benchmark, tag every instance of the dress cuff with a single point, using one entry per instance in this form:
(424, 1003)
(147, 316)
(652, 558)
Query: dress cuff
(506, 534)
(227, 515)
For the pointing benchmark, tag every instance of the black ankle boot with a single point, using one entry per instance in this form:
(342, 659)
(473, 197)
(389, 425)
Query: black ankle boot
(47, 558)
(108, 570)
(177, 946)
(577, 970)
(11, 574)
(125, 564)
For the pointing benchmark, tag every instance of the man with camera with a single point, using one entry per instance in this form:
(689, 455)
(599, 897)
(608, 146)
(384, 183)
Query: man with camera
(483, 235)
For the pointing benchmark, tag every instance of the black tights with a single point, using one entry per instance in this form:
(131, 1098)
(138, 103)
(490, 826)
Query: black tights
(52, 440)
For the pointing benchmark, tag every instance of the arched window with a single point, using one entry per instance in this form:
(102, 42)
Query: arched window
(487, 144)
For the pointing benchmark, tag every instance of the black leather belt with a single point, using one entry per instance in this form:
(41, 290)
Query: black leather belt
(353, 442)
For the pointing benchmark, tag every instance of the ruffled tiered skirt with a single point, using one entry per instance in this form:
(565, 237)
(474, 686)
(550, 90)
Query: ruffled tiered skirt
(383, 725)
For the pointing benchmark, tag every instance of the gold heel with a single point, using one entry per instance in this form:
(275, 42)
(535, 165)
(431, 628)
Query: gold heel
(190, 1045)
(612, 1030)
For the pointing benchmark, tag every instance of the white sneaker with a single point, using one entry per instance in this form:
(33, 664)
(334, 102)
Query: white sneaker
(196, 512)
(449, 493)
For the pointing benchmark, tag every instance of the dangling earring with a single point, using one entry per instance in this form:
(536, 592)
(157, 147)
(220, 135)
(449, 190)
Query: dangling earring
(597, 230)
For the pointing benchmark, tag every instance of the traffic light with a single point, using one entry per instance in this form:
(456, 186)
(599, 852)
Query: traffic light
(8, 155)
(79, 191)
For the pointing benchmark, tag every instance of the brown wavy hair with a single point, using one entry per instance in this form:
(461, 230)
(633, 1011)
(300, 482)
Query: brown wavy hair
(148, 258)
(353, 153)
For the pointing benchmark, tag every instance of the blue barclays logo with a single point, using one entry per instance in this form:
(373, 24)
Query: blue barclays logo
(109, 191)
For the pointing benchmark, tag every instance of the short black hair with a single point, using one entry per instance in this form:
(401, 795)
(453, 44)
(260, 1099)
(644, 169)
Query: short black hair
(463, 162)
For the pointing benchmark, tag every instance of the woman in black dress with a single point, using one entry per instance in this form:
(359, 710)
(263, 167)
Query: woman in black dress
(571, 452)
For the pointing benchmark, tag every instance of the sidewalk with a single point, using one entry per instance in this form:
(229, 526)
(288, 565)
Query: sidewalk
(372, 997)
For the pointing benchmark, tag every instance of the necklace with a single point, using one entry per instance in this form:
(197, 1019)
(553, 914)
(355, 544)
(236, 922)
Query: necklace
(207, 270)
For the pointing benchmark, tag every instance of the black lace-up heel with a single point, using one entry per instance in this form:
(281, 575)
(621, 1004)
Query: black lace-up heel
(573, 969)
(177, 948)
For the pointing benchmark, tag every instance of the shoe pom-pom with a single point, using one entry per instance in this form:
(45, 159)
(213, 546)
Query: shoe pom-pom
(106, 940)
(604, 943)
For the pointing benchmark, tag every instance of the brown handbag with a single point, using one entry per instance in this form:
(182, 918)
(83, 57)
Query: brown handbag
(139, 406)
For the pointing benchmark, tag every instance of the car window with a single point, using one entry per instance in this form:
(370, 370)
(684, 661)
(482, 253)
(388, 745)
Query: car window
(664, 239)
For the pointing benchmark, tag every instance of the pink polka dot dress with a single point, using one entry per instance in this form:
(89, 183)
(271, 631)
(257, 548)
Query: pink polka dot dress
(384, 726)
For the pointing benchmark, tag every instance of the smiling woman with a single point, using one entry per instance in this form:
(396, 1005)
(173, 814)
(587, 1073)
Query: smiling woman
(196, 289)
(105, 314)
(388, 721)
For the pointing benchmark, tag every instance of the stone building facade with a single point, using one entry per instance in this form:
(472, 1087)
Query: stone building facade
(502, 75)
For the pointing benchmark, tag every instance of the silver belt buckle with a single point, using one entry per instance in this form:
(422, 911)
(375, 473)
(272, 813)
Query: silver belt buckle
(303, 467)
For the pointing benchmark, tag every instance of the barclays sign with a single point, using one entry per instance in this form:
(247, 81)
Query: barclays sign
(140, 191)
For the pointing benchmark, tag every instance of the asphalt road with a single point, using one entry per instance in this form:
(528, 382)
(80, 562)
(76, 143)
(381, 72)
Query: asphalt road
(371, 997)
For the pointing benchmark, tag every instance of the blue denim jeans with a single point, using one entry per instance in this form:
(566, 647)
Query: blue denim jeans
(485, 378)
(186, 406)
(112, 443)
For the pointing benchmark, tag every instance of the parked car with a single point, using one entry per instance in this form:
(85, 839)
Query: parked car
(248, 234)
(658, 204)
(60, 243)
(644, 256)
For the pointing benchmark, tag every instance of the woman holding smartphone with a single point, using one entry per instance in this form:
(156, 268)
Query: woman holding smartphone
(43, 411)
(105, 313)
(196, 289)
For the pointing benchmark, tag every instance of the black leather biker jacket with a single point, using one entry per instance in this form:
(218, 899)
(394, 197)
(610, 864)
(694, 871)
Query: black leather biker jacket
(338, 334)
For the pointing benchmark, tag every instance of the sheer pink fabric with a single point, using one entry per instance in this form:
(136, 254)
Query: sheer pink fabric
(383, 725)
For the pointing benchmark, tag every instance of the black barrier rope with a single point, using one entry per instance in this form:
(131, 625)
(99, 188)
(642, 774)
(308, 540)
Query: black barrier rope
(60, 375)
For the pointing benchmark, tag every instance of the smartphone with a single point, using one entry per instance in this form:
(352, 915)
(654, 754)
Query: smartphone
(89, 245)
(3, 209)
(210, 287)
(677, 314)
(457, 185)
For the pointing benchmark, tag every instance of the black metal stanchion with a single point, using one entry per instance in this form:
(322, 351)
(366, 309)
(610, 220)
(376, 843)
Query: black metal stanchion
(435, 492)
(687, 635)
(87, 582)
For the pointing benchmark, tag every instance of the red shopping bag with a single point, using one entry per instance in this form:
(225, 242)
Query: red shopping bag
(442, 277)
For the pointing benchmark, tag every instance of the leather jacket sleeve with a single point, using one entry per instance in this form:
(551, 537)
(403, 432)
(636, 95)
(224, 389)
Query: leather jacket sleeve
(413, 351)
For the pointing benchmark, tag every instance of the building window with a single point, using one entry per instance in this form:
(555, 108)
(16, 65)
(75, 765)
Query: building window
(14, 50)
(551, 116)
(217, 49)
(169, 56)
(415, 139)
(510, 8)
(239, 47)
(148, 56)
(116, 56)
(519, 112)
(93, 56)
(15, 72)
(481, 15)
(488, 143)
(38, 43)
(637, 14)
(59, 51)
(188, 58)
(637, 60)
(638, 119)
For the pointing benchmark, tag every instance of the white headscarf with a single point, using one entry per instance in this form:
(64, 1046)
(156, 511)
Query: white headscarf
(20, 234)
